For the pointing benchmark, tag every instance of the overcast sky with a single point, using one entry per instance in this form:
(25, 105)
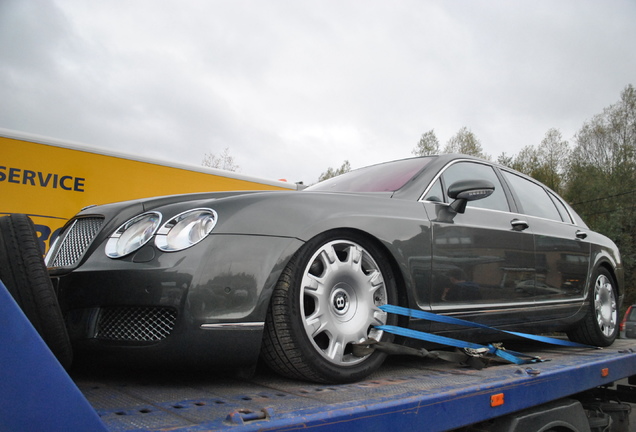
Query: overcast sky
(292, 87)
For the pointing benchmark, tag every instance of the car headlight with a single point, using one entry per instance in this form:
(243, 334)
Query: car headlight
(133, 234)
(185, 230)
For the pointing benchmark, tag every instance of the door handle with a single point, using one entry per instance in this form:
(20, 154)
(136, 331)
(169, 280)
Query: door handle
(519, 225)
(581, 234)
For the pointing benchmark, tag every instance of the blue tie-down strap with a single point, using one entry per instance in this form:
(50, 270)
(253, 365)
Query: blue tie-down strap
(511, 356)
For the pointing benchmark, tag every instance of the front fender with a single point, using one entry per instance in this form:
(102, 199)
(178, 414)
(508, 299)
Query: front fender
(401, 226)
(235, 279)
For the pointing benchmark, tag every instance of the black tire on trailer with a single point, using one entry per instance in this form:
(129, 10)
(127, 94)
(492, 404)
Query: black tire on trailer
(23, 272)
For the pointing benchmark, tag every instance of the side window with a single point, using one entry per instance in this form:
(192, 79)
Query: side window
(472, 171)
(436, 193)
(565, 216)
(534, 199)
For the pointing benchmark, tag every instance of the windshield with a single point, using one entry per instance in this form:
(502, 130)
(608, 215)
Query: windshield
(386, 177)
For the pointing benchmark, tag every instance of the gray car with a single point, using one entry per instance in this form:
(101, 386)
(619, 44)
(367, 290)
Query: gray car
(297, 278)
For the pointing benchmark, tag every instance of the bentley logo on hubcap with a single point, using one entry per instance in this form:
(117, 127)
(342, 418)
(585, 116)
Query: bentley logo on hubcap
(340, 301)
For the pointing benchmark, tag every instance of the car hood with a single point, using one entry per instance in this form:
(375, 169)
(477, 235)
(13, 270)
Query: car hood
(274, 213)
(152, 203)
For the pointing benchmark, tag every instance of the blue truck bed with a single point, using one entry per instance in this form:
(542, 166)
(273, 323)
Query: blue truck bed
(406, 394)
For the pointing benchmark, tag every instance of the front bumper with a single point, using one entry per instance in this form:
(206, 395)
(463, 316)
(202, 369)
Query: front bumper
(143, 340)
(206, 304)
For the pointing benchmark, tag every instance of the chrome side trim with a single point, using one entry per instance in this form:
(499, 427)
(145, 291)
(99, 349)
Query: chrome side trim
(507, 307)
(234, 326)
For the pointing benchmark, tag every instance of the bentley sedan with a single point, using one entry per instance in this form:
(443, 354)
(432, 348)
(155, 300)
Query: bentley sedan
(298, 278)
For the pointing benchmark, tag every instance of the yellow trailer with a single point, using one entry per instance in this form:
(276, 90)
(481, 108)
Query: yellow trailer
(51, 180)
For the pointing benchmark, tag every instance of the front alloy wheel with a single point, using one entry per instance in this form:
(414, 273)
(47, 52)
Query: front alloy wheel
(327, 300)
(341, 289)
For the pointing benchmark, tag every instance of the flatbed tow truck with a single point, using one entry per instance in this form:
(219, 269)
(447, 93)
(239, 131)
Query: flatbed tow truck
(407, 393)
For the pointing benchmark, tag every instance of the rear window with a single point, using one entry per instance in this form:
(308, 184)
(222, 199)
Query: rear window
(535, 201)
(386, 177)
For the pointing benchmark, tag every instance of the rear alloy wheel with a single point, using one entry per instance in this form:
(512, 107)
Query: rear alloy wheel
(600, 325)
(326, 301)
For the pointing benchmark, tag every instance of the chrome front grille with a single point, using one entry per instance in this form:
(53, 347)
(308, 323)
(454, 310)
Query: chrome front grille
(135, 324)
(75, 241)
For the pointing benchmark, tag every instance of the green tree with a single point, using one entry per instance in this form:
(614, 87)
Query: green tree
(608, 140)
(505, 160)
(546, 163)
(331, 172)
(428, 144)
(527, 161)
(465, 142)
(553, 154)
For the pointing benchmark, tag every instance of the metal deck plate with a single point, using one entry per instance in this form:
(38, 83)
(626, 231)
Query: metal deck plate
(405, 387)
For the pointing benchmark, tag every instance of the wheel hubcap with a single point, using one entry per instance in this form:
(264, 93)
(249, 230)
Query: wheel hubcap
(342, 287)
(605, 305)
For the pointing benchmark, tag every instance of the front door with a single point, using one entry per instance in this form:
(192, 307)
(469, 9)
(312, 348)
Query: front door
(480, 258)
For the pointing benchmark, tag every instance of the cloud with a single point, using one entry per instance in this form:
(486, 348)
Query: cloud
(291, 88)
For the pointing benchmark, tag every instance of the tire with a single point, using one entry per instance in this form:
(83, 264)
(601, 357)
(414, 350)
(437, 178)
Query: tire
(23, 272)
(600, 325)
(326, 299)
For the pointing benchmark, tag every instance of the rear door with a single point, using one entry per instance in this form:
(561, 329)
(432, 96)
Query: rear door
(562, 252)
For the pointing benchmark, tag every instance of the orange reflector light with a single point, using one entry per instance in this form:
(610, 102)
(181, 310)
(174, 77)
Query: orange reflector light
(497, 400)
(605, 372)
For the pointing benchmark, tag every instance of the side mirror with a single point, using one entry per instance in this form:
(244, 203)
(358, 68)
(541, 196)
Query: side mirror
(468, 190)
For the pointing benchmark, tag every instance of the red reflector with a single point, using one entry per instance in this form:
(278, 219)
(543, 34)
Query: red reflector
(605, 372)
